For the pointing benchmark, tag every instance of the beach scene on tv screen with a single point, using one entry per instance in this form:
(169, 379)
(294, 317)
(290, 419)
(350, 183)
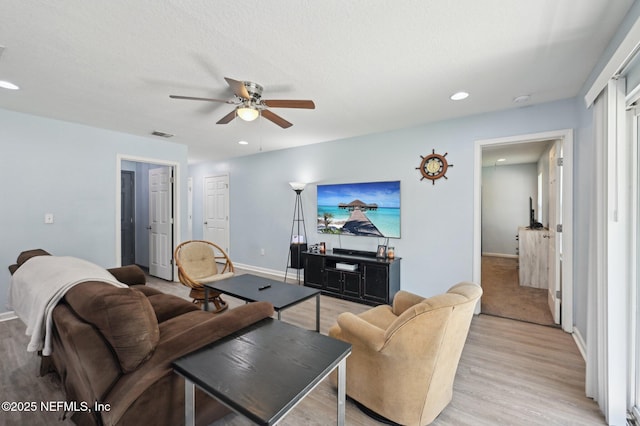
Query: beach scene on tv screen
(366, 209)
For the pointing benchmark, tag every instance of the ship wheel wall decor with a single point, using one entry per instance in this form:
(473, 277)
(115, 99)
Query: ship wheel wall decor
(434, 166)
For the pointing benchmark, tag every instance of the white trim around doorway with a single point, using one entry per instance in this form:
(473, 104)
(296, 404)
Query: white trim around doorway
(176, 200)
(566, 135)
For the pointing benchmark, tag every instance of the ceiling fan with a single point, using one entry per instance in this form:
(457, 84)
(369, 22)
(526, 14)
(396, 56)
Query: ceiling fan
(249, 103)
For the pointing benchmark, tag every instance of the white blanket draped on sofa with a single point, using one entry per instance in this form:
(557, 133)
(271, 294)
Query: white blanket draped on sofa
(39, 284)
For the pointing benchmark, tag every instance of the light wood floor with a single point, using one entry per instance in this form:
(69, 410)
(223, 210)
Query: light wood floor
(510, 373)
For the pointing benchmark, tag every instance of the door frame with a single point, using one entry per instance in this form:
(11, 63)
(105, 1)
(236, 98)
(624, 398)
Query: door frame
(566, 135)
(176, 200)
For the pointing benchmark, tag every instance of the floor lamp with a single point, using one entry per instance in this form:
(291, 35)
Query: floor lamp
(298, 241)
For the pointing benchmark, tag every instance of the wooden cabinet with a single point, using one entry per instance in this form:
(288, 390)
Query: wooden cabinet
(372, 281)
(533, 253)
(313, 271)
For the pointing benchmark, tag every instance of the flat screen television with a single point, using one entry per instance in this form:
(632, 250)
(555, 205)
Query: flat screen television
(533, 224)
(369, 209)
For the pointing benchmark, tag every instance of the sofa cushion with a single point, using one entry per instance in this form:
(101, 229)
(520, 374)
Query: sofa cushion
(167, 306)
(129, 274)
(124, 316)
(24, 256)
(148, 291)
(28, 254)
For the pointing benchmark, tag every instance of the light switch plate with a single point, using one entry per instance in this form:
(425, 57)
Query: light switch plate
(48, 218)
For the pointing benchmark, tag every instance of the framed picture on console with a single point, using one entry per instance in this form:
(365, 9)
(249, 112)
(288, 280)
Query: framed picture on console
(381, 253)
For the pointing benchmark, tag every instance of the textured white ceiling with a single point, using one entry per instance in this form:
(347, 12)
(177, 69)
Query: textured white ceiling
(369, 66)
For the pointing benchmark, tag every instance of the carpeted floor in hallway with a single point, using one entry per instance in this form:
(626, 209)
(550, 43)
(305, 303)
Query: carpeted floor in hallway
(504, 297)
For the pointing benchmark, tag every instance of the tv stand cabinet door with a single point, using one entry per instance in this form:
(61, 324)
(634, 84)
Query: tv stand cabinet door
(351, 284)
(376, 281)
(334, 281)
(314, 271)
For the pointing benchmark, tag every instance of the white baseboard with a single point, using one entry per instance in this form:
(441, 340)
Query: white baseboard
(6, 316)
(259, 270)
(582, 347)
(510, 256)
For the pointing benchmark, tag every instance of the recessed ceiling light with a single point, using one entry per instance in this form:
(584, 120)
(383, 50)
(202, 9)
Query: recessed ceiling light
(521, 99)
(499, 160)
(458, 96)
(243, 143)
(8, 85)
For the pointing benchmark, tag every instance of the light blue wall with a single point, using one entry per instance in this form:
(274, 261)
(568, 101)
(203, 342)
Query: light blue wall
(583, 184)
(437, 220)
(50, 166)
(505, 205)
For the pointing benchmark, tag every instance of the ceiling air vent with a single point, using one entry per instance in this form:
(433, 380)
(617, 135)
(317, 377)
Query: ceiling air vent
(161, 134)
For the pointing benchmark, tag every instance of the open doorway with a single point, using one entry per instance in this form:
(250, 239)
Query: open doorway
(147, 215)
(521, 206)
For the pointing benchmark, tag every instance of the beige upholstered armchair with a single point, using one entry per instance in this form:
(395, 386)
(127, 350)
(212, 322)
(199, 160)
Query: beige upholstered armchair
(405, 356)
(202, 262)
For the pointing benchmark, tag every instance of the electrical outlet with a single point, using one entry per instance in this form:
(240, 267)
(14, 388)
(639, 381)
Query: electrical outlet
(48, 218)
(262, 252)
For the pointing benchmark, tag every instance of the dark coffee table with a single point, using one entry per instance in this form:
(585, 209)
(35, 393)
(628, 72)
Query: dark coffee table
(264, 370)
(248, 288)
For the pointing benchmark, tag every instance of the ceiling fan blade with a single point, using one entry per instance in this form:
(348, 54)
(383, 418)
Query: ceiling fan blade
(227, 118)
(282, 103)
(190, 98)
(276, 119)
(238, 88)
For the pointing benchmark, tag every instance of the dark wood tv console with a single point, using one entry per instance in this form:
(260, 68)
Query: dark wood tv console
(372, 281)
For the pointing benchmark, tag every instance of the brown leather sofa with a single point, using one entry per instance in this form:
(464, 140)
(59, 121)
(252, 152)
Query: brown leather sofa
(404, 357)
(115, 346)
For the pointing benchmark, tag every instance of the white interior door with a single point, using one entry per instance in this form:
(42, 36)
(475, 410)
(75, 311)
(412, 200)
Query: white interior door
(190, 208)
(216, 210)
(555, 241)
(160, 223)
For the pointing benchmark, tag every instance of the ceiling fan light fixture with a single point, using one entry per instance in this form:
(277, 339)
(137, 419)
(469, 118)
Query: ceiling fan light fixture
(248, 113)
(8, 85)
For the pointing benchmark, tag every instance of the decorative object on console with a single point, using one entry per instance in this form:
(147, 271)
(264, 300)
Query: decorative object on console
(298, 240)
(434, 166)
(391, 252)
(382, 252)
(369, 209)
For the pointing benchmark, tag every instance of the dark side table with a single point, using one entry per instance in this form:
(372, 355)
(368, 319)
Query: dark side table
(263, 371)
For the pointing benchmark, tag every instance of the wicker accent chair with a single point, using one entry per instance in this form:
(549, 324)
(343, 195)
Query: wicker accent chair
(201, 262)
